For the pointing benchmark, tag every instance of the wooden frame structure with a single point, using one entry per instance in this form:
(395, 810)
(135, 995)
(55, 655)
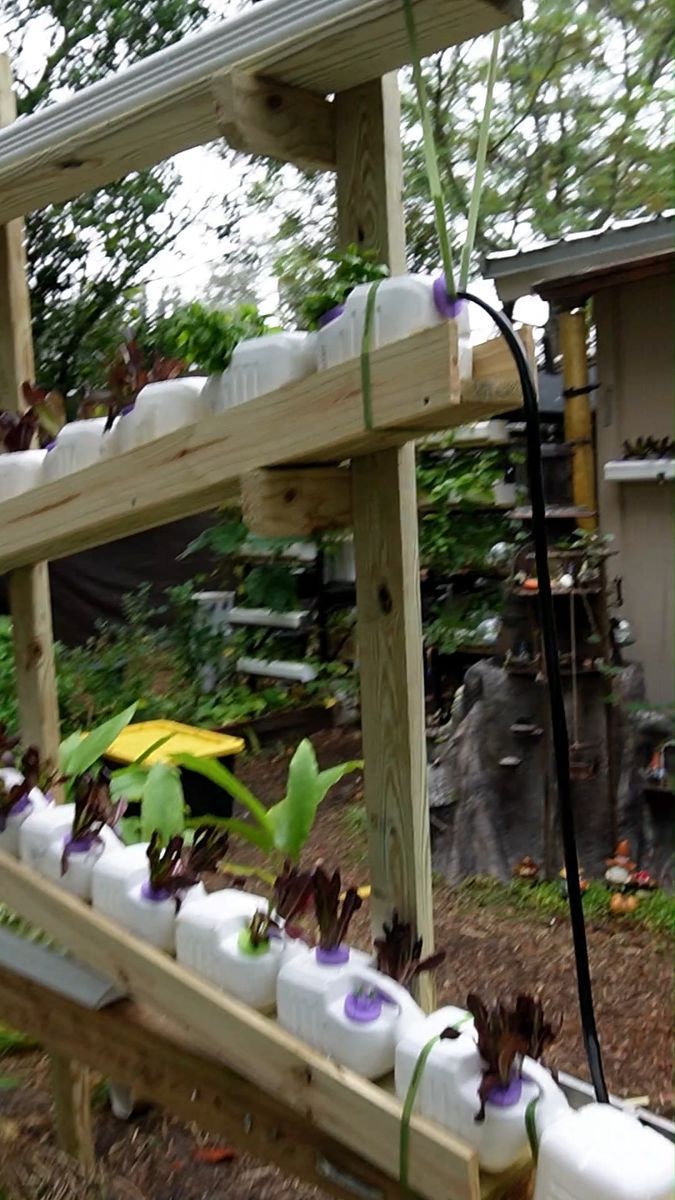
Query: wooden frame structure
(252, 1066)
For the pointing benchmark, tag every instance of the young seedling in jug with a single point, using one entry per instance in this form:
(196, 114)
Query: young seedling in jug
(176, 867)
(399, 953)
(94, 809)
(291, 897)
(333, 914)
(505, 1036)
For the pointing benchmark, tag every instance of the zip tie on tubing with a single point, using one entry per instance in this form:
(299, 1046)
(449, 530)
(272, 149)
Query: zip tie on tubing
(556, 700)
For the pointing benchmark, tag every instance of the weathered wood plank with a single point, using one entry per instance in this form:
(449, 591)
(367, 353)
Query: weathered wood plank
(414, 388)
(389, 628)
(355, 1112)
(261, 116)
(71, 1095)
(364, 41)
(163, 1065)
(297, 502)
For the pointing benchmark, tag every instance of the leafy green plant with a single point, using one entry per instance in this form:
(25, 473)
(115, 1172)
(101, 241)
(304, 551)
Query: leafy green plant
(175, 866)
(283, 829)
(206, 337)
(352, 267)
(41, 419)
(456, 623)
(8, 704)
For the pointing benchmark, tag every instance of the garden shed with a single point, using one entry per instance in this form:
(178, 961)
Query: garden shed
(626, 271)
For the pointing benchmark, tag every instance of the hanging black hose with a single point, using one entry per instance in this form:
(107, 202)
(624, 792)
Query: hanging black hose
(557, 705)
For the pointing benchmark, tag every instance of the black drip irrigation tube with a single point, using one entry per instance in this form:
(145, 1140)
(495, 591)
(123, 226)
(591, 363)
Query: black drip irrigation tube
(556, 699)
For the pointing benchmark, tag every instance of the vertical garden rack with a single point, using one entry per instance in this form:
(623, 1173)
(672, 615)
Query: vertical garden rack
(209, 1057)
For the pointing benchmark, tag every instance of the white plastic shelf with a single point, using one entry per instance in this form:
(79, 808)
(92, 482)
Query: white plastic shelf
(640, 470)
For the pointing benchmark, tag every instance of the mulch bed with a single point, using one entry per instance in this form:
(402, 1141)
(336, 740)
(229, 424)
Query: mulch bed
(488, 950)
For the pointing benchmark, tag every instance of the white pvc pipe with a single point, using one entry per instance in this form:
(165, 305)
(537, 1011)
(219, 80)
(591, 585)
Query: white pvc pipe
(266, 617)
(299, 672)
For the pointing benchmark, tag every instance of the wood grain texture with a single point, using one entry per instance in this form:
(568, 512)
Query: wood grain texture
(415, 387)
(578, 419)
(358, 1114)
(389, 627)
(261, 116)
(297, 502)
(71, 1096)
(164, 1065)
(360, 45)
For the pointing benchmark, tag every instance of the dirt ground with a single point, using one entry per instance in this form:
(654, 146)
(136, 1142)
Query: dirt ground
(488, 950)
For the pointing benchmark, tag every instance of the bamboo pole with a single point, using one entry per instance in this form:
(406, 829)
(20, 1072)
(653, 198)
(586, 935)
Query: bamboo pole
(578, 419)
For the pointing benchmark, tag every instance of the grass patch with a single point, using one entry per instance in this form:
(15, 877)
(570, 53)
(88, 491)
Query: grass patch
(655, 911)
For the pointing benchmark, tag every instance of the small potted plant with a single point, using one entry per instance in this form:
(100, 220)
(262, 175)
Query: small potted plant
(479, 1076)
(240, 942)
(145, 886)
(83, 825)
(20, 791)
(72, 858)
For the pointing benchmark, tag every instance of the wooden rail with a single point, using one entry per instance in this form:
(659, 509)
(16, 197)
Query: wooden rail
(415, 388)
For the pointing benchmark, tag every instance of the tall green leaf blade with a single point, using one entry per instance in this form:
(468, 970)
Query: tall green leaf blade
(151, 749)
(294, 816)
(218, 774)
(79, 758)
(163, 805)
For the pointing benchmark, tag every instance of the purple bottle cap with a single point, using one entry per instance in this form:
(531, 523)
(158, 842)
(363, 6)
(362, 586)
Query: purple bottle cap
(80, 845)
(21, 805)
(50, 446)
(126, 410)
(332, 958)
(156, 895)
(445, 306)
(363, 1006)
(506, 1095)
(331, 315)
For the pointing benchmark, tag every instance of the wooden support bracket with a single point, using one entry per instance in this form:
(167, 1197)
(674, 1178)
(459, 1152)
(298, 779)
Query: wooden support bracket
(297, 502)
(262, 116)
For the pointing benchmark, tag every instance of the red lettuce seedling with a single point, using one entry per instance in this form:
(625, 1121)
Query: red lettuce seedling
(94, 809)
(333, 917)
(176, 867)
(399, 953)
(292, 894)
(505, 1035)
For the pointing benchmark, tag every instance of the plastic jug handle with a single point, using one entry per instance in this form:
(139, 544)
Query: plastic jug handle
(549, 1106)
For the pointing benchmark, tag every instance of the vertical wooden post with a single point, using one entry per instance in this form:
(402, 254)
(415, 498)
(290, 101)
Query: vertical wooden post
(29, 587)
(370, 214)
(578, 421)
(71, 1088)
(30, 607)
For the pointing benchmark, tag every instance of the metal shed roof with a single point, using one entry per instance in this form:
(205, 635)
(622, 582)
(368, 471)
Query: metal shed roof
(580, 255)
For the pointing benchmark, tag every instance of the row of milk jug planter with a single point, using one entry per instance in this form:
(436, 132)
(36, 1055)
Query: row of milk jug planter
(404, 305)
(338, 1003)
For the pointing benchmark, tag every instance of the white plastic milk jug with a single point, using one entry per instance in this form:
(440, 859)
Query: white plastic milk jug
(78, 445)
(44, 837)
(261, 365)
(160, 408)
(121, 890)
(601, 1153)
(32, 801)
(21, 471)
(307, 985)
(211, 938)
(448, 1090)
(404, 304)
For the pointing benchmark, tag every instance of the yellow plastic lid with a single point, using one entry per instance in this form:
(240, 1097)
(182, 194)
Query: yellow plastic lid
(185, 739)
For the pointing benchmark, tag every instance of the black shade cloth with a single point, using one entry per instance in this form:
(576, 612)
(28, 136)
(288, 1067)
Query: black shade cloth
(89, 587)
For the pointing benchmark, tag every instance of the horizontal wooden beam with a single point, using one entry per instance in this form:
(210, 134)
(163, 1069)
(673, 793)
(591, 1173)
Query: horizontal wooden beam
(360, 1115)
(297, 502)
(162, 1065)
(165, 104)
(415, 388)
(260, 116)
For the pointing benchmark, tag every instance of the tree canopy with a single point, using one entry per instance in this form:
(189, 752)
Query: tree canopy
(84, 257)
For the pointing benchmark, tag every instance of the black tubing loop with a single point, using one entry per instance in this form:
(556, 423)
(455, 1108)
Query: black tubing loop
(556, 697)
